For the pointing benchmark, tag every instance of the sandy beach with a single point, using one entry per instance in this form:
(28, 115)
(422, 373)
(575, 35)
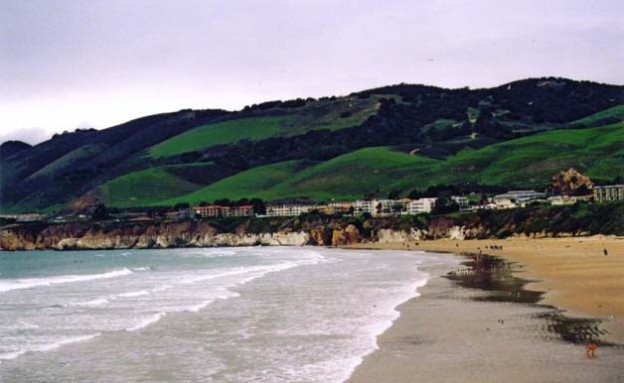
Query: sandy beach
(574, 273)
(491, 332)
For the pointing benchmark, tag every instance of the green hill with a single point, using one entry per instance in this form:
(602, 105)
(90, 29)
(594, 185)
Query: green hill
(207, 136)
(609, 116)
(330, 115)
(524, 162)
(515, 135)
(144, 187)
(256, 182)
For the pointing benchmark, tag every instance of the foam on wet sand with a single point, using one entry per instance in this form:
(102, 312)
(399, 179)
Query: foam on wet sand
(456, 334)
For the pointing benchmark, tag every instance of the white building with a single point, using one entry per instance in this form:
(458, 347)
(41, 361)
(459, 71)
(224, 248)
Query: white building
(388, 206)
(561, 200)
(364, 206)
(288, 210)
(422, 205)
(337, 207)
(462, 202)
(608, 193)
(504, 203)
(518, 196)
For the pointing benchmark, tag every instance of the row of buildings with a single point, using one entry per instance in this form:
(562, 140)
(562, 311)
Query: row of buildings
(520, 198)
(376, 208)
(609, 193)
(217, 211)
(380, 207)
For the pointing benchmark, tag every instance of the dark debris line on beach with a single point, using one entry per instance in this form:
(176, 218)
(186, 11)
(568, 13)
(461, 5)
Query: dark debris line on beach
(494, 275)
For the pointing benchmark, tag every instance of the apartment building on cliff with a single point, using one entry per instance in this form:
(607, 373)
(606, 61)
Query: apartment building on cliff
(609, 193)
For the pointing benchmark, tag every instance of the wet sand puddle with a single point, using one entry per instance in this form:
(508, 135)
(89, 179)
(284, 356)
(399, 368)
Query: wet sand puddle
(495, 276)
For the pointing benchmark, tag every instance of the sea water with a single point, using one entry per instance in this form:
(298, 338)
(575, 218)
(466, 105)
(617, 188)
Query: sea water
(260, 314)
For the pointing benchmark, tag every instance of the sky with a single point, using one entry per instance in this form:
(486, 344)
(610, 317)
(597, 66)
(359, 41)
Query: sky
(67, 64)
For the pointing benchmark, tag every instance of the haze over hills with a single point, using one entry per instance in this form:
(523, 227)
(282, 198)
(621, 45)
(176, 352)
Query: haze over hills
(397, 138)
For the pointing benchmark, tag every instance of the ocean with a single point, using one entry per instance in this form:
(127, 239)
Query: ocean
(258, 314)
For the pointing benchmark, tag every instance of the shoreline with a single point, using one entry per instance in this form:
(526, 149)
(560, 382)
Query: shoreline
(483, 315)
(573, 274)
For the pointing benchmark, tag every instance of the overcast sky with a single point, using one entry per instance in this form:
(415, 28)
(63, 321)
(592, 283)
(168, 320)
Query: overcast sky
(96, 63)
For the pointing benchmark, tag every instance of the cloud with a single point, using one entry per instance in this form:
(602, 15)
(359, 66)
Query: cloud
(107, 61)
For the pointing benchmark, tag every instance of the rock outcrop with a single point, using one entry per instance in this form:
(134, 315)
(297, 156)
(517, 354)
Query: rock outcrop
(179, 234)
(389, 235)
(313, 231)
(347, 236)
(83, 236)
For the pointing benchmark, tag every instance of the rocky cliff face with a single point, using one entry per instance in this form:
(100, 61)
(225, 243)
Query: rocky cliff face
(341, 237)
(92, 236)
(179, 234)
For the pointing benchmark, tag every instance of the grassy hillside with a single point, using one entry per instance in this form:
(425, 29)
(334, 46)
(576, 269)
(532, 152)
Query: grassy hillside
(331, 115)
(533, 160)
(530, 161)
(220, 133)
(257, 182)
(144, 188)
(608, 116)
(353, 175)
(83, 153)
(348, 176)
(524, 162)
(68, 165)
(333, 147)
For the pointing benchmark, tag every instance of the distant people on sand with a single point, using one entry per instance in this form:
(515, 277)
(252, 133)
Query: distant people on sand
(591, 349)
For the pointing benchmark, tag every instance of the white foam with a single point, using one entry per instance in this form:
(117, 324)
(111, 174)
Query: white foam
(220, 253)
(224, 293)
(141, 268)
(21, 325)
(16, 284)
(146, 322)
(197, 307)
(162, 288)
(253, 271)
(377, 329)
(47, 347)
(248, 274)
(133, 294)
(92, 302)
(212, 253)
(103, 301)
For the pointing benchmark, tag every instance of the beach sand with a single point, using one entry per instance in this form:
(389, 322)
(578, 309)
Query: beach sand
(574, 273)
(455, 333)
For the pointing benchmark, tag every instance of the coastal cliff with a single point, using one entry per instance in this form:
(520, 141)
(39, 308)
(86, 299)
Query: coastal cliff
(316, 230)
(200, 234)
(152, 236)
(92, 236)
